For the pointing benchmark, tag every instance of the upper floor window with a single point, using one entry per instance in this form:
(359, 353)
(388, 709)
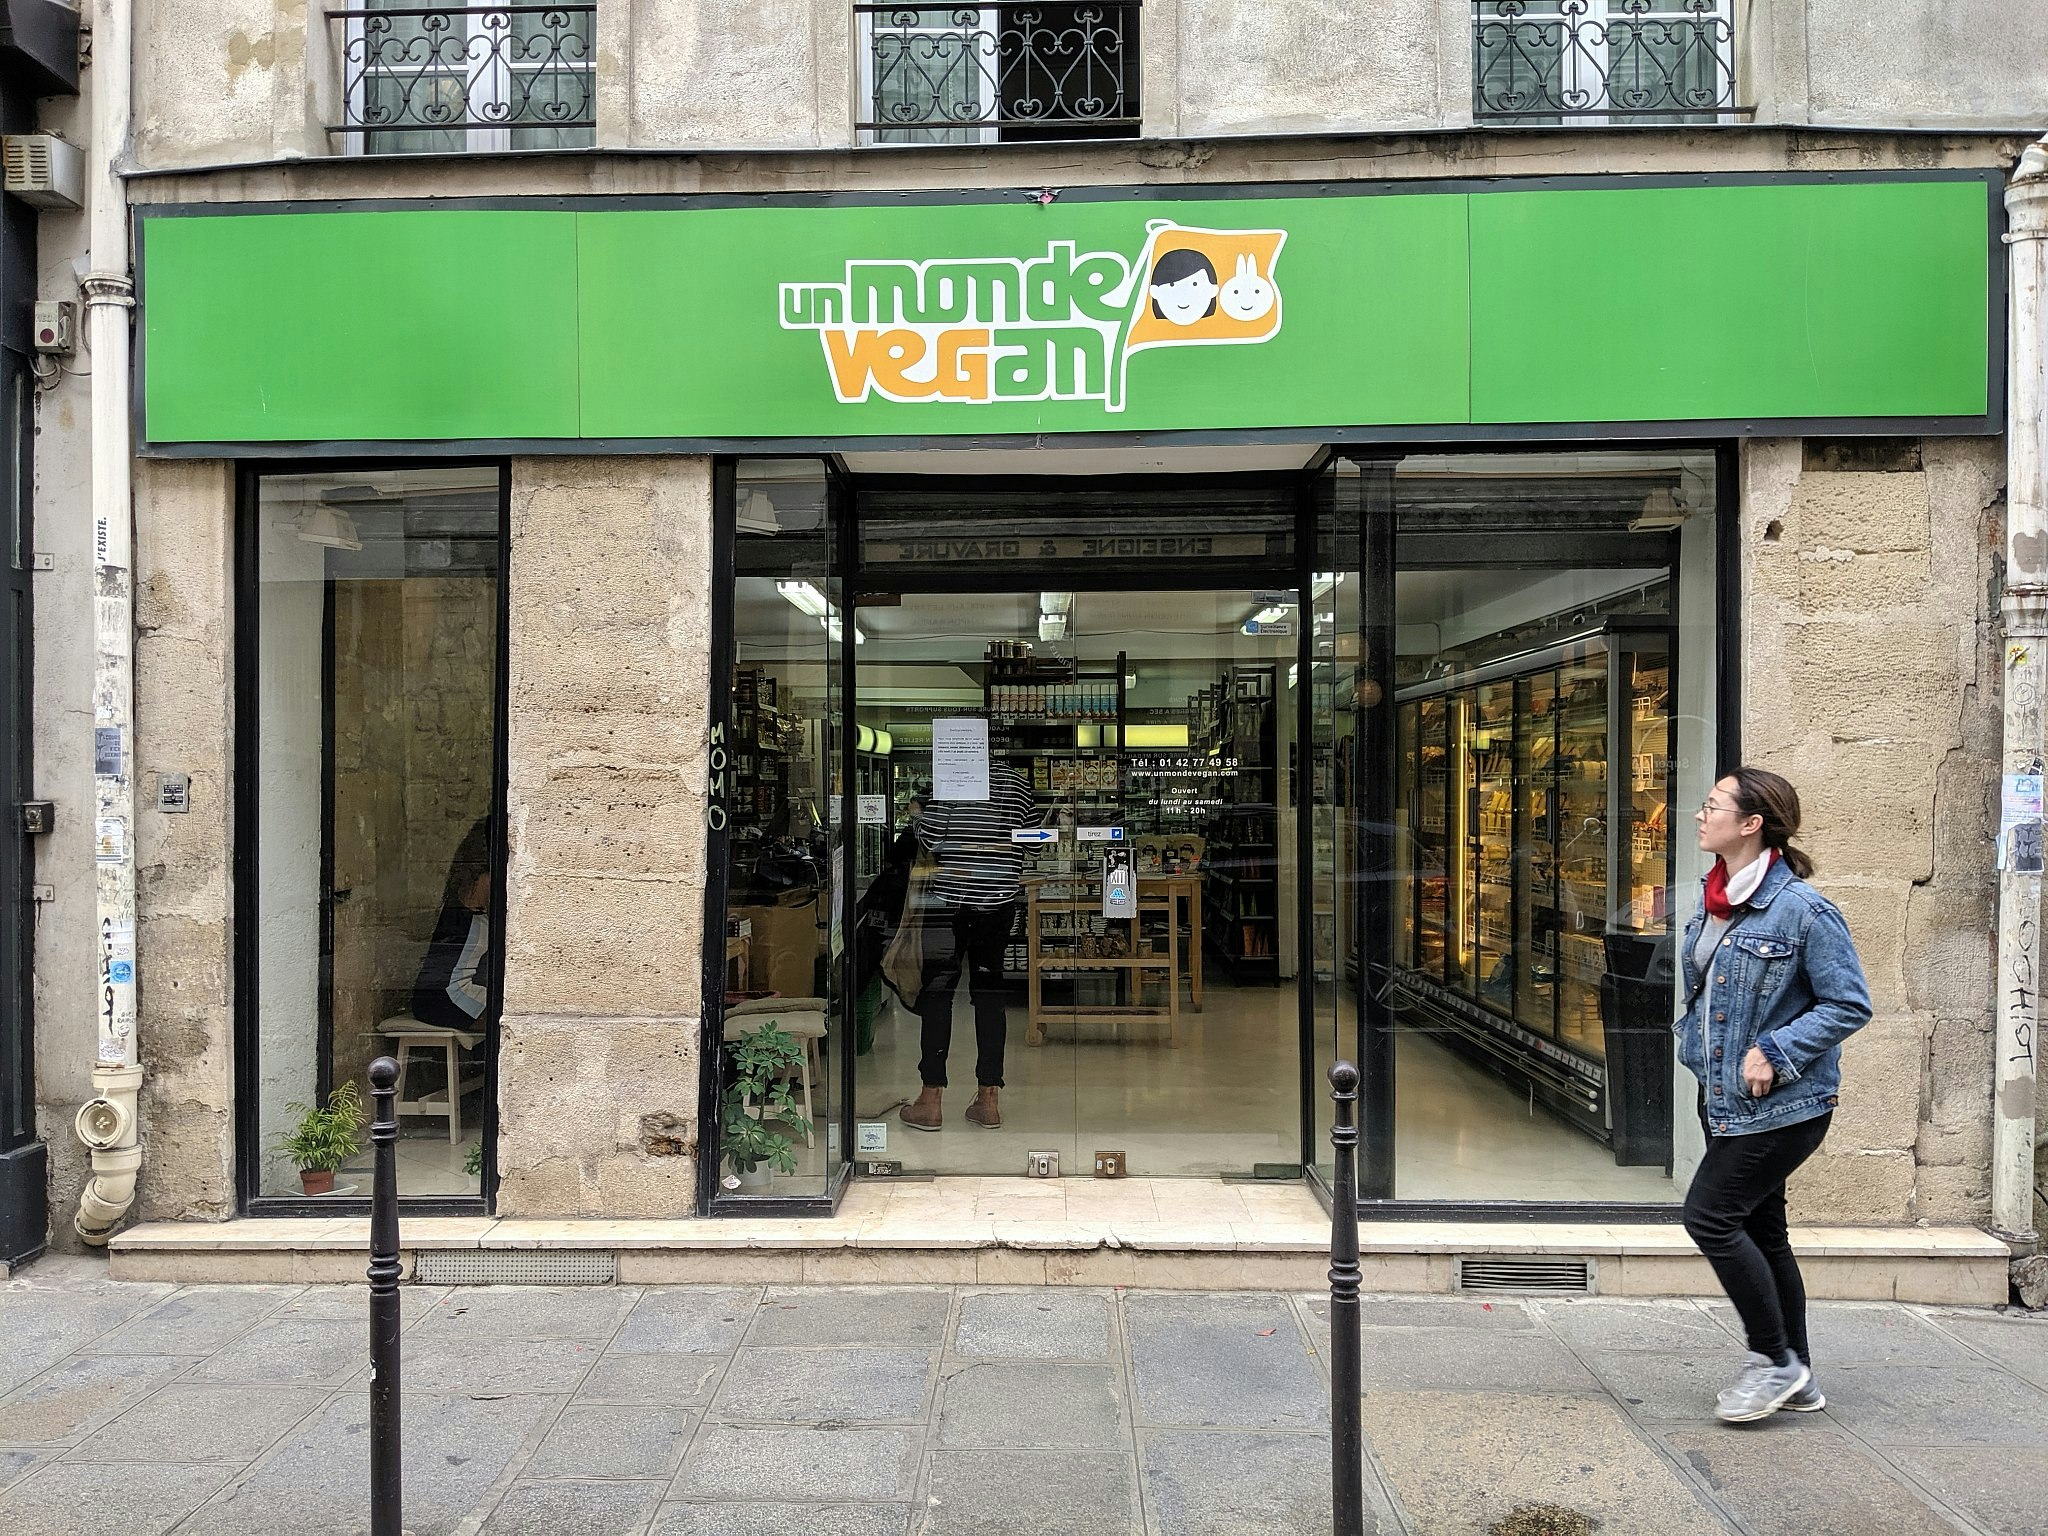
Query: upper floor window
(1603, 61)
(422, 78)
(1004, 72)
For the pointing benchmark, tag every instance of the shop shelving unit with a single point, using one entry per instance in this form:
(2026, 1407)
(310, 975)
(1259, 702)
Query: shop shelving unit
(1234, 725)
(1536, 789)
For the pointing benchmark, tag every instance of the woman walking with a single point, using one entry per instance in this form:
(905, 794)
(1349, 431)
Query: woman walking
(1772, 988)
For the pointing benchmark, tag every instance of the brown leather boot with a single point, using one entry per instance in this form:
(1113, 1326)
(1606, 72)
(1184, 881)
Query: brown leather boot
(983, 1111)
(924, 1114)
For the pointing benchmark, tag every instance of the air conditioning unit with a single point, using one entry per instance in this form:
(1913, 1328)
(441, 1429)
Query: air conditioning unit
(44, 170)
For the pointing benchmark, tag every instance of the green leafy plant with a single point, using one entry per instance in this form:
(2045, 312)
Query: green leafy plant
(326, 1136)
(761, 1064)
(473, 1160)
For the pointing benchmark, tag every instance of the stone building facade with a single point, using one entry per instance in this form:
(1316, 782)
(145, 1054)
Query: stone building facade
(1866, 560)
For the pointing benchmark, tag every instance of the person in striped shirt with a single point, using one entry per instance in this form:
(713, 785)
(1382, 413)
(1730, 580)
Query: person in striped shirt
(979, 879)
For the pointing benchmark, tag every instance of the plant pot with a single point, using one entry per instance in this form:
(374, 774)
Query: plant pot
(756, 1177)
(317, 1181)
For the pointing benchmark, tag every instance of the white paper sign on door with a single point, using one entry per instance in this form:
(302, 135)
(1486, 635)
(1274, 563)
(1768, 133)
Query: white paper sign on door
(960, 759)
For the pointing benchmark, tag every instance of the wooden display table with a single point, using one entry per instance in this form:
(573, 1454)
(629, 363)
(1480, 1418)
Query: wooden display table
(1165, 894)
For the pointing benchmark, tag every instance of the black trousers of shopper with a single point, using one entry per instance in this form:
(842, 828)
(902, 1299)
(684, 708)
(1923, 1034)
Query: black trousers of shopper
(1735, 1211)
(973, 947)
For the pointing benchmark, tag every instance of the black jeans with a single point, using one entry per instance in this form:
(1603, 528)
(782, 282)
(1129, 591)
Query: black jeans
(1735, 1211)
(975, 946)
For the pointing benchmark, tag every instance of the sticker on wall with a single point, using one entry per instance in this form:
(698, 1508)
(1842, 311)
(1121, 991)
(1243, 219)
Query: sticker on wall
(106, 751)
(2019, 823)
(110, 839)
(1056, 325)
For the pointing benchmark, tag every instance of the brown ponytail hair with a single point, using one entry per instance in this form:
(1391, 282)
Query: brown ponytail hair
(1759, 792)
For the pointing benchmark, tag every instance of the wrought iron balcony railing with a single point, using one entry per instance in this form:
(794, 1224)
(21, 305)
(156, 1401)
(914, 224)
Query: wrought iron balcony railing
(1553, 61)
(1002, 71)
(421, 77)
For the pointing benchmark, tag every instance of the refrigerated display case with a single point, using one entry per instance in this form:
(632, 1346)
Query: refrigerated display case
(1537, 788)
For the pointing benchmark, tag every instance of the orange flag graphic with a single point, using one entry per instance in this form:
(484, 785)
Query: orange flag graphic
(1203, 287)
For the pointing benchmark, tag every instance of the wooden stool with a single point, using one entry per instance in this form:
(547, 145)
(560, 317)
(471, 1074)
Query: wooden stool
(418, 1042)
(801, 1018)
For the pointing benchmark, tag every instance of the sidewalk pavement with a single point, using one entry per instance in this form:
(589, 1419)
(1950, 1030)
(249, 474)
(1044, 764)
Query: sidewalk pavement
(821, 1411)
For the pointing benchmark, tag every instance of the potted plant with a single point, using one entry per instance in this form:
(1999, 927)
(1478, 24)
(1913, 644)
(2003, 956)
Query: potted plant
(326, 1137)
(758, 1092)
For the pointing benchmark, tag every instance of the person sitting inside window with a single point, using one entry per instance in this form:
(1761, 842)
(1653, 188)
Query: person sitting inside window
(453, 989)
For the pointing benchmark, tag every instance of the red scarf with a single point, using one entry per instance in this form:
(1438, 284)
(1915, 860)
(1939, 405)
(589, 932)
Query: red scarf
(1719, 907)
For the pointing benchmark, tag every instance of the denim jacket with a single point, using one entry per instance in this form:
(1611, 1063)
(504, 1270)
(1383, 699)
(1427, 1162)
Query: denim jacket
(1787, 980)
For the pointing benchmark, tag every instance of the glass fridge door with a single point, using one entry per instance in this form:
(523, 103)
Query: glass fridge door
(1432, 834)
(1490, 753)
(1582, 845)
(1536, 861)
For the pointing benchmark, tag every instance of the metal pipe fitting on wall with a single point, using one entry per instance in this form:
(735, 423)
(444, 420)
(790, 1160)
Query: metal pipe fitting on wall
(112, 1116)
(2025, 657)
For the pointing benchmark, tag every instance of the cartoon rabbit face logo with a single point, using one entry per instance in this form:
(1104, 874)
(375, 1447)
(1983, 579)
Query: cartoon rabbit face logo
(1246, 295)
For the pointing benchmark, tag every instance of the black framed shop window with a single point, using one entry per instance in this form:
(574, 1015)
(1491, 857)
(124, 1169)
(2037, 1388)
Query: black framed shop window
(370, 801)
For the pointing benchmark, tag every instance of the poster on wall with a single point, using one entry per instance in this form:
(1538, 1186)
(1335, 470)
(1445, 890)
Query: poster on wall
(960, 759)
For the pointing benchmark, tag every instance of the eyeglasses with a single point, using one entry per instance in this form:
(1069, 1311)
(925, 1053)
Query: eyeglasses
(1708, 808)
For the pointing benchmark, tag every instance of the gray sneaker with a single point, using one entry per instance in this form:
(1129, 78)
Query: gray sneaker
(1808, 1399)
(1761, 1390)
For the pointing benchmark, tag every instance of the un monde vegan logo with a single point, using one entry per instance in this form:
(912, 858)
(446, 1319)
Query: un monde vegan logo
(1060, 326)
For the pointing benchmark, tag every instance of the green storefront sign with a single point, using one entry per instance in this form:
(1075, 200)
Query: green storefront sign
(1793, 300)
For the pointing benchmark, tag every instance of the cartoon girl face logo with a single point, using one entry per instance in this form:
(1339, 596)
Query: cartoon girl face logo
(1183, 287)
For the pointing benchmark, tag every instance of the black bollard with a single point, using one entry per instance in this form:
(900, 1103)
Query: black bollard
(386, 1499)
(1347, 1428)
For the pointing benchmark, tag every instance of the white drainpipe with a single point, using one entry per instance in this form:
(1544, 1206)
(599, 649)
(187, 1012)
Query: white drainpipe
(2025, 612)
(109, 1123)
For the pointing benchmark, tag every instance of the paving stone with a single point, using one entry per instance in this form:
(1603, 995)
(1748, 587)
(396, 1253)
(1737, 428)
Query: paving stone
(295, 1350)
(1929, 1405)
(782, 1520)
(670, 1381)
(1794, 1476)
(14, 1463)
(1846, 1334)
(531, 1312)
(133, 1498)
(1222, 1360)
(1426, 1312)
(816, 1317)
(1675, 1387)
(1032, 1403)
(80, 1394)
(573, 1509)
(808, 1462)
(1219, 1483)
(1033, 1325)
(448, 1362)
(2015, 1341)
(605, 1441)
(2002, 1491)
(1668, 1327)
(1422, 1359)
(351, 1304)
(816, 1386)
(38, 1328)
(195, 1321)
(186, 1422)
(687, 1320)
(1029, 1493)
(316, 1482)
(1459, 1463)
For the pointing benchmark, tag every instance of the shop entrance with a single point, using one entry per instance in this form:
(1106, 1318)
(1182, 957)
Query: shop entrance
(1080, 878)
(1121, 892)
